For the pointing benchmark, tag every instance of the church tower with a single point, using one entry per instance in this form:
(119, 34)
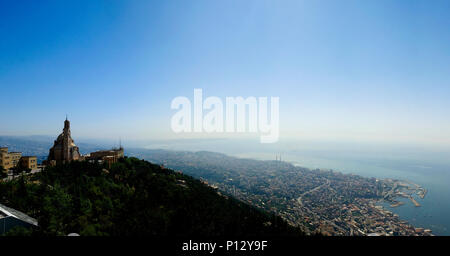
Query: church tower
(64, 149)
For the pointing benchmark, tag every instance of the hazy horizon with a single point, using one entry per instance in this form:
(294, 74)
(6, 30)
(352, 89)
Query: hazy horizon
(251, 148)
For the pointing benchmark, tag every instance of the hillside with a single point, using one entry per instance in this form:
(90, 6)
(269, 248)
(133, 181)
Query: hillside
(323, 201)
(133, 197)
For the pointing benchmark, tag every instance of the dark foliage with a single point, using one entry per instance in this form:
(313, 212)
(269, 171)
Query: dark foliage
(133, 197)
(3, 173)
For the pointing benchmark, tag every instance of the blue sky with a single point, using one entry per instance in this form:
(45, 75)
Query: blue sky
(344, 70)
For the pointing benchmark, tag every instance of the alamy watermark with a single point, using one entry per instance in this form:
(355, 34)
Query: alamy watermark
(233, 119)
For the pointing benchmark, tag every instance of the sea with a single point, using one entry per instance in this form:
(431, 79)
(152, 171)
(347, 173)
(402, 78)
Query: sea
(426, 167)
(434, 212)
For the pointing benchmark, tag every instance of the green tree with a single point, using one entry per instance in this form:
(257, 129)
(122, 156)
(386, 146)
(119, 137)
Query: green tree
(19, 231)
(131, 198)
(16, 171)
(3, 173)
(57, 211)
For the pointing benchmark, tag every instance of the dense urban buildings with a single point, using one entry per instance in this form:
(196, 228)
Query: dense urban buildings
(317, 201)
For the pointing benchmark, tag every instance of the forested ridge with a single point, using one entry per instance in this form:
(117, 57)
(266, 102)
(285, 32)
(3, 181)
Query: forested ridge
(132, 198)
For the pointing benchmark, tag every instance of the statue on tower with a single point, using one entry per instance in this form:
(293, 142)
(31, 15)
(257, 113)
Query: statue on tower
(64, 149)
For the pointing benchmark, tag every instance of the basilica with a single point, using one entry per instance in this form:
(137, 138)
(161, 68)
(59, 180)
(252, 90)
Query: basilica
(64, 149)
